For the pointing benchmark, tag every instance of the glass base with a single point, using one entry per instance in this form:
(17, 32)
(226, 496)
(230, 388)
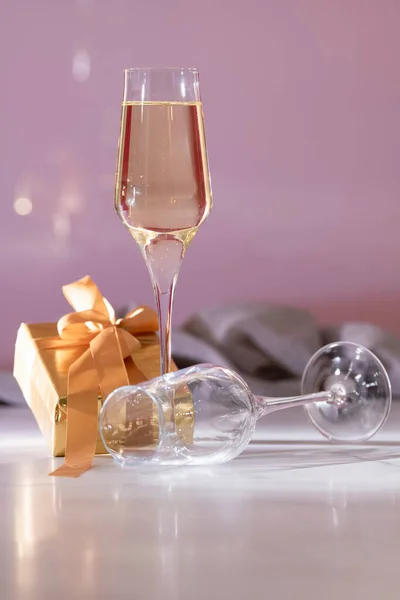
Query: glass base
(361, 392)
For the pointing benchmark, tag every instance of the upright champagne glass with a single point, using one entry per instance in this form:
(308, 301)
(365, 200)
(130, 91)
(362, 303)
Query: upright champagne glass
(162, 191)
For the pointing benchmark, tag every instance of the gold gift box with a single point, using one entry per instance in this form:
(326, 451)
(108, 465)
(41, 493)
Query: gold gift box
(45, 353)
(42, 374)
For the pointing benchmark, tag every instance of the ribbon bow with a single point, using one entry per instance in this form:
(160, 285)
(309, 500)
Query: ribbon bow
(106, 342)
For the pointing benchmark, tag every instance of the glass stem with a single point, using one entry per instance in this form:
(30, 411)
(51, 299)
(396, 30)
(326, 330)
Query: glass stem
(163, 257)
(164, 303)
(265, 406)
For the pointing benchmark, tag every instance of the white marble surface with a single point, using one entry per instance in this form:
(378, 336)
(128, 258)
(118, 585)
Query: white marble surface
(293, 518)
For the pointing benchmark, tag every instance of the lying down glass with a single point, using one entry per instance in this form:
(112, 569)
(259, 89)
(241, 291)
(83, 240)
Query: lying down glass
(207, 414)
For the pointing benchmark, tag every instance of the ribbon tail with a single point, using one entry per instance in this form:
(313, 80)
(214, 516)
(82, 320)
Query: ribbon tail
(82, 415)
(70, 471)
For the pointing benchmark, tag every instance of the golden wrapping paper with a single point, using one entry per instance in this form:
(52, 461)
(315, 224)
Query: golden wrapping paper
(66, 369)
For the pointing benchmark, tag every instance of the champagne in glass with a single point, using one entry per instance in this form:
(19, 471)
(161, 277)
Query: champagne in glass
(163, 190)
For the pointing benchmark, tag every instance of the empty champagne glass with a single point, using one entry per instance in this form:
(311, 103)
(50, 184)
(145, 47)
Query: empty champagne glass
(163, 190)
(207, 414)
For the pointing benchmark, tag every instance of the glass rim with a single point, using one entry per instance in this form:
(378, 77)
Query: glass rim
(188, 69)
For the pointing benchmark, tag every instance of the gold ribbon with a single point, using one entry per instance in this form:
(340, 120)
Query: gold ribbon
(105, 342)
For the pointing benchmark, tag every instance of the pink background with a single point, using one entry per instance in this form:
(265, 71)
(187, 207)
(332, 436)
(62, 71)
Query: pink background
(302, 105)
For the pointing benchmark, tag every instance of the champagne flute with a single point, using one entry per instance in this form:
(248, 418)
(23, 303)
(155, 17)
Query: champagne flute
(345, 390)
(163, 190)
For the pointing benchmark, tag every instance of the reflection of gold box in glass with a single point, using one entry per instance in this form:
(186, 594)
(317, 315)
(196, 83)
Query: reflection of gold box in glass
(42, 373)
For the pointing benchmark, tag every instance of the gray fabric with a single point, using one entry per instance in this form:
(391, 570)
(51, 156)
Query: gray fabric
(269, 345)
(10, 393)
